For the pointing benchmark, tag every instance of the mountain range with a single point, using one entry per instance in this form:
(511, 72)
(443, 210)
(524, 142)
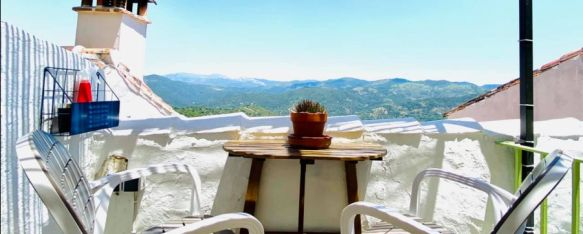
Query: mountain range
(386, 98)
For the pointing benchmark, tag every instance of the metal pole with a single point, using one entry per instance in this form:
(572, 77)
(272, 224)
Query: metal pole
(526, 93)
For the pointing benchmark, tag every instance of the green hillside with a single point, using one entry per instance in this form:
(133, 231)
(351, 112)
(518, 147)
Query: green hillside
(390, 98)
(250, 110)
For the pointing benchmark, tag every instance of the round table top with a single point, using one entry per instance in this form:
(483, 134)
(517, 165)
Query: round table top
(279, 149)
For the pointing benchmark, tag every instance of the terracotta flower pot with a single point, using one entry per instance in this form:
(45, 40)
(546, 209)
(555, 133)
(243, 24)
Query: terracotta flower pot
(308, 124)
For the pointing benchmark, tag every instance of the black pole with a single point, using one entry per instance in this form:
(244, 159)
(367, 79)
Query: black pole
(526, 93)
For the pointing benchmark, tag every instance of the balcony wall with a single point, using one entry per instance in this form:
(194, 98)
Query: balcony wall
(464, 146)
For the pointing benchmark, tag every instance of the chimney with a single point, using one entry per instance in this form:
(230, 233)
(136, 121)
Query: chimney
(113, 30)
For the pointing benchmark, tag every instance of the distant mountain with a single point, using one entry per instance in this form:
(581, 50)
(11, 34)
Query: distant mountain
(388, 98)
(222, 81)
(490, 86)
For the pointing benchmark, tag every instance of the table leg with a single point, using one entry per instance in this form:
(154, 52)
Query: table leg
(352, 190)
(303, 164)
(253, 187)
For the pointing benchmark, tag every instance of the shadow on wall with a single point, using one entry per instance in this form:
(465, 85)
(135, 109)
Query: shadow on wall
(467, 151)
(146, 148)
(452, 126)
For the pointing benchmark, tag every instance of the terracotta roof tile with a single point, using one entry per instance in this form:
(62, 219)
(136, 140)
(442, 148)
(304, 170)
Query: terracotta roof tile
(550, 65)
(571, 55)
(511, 83)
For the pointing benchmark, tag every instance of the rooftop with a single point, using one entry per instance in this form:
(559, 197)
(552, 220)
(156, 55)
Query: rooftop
(501, 88)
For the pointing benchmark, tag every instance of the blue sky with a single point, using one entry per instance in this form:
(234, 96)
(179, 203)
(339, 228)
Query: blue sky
(458, 40)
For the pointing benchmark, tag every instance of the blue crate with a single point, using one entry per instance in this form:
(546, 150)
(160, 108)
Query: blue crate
(91, 116)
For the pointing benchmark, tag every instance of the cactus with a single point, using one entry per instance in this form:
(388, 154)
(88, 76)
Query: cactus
(309, 106)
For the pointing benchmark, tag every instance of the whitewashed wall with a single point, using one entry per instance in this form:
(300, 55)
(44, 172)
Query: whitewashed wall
(462, 145)
(23, 59)
(121, 32)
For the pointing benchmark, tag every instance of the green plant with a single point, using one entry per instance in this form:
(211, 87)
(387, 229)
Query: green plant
(309, 106)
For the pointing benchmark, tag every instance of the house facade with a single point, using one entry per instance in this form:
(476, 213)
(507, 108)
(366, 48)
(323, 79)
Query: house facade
(558, 93)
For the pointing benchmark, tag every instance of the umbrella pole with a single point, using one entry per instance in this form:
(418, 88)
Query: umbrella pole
(526, 93)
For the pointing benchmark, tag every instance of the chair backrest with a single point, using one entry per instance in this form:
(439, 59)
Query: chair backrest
(58, 180)
(534, 189)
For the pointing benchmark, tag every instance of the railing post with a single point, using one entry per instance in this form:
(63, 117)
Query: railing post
(518, 180)
(544, 207)
(519, 173)
(575, 206)
(517, 169)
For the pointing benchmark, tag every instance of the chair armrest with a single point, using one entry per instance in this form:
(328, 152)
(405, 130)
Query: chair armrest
(223, 222)
(103, 188)
(380, 212)
(501, 199)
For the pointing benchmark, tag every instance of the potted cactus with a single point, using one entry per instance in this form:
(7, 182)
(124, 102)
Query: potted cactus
(308, 118)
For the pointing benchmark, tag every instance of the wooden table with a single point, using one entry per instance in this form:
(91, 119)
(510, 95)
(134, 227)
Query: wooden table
(259, 150)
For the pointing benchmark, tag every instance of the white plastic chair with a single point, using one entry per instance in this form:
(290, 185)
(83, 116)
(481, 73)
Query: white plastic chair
(80, 206)
(510, 211)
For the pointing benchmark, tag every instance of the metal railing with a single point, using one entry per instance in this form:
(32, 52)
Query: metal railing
(576, 190)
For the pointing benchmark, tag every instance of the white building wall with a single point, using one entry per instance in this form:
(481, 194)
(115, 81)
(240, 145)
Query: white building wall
(132, 44)
(558, 93)
(23, 59)
(123, 33)
(98, 29)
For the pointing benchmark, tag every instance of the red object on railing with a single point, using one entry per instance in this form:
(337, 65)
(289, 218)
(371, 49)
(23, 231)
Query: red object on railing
(83, 92)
